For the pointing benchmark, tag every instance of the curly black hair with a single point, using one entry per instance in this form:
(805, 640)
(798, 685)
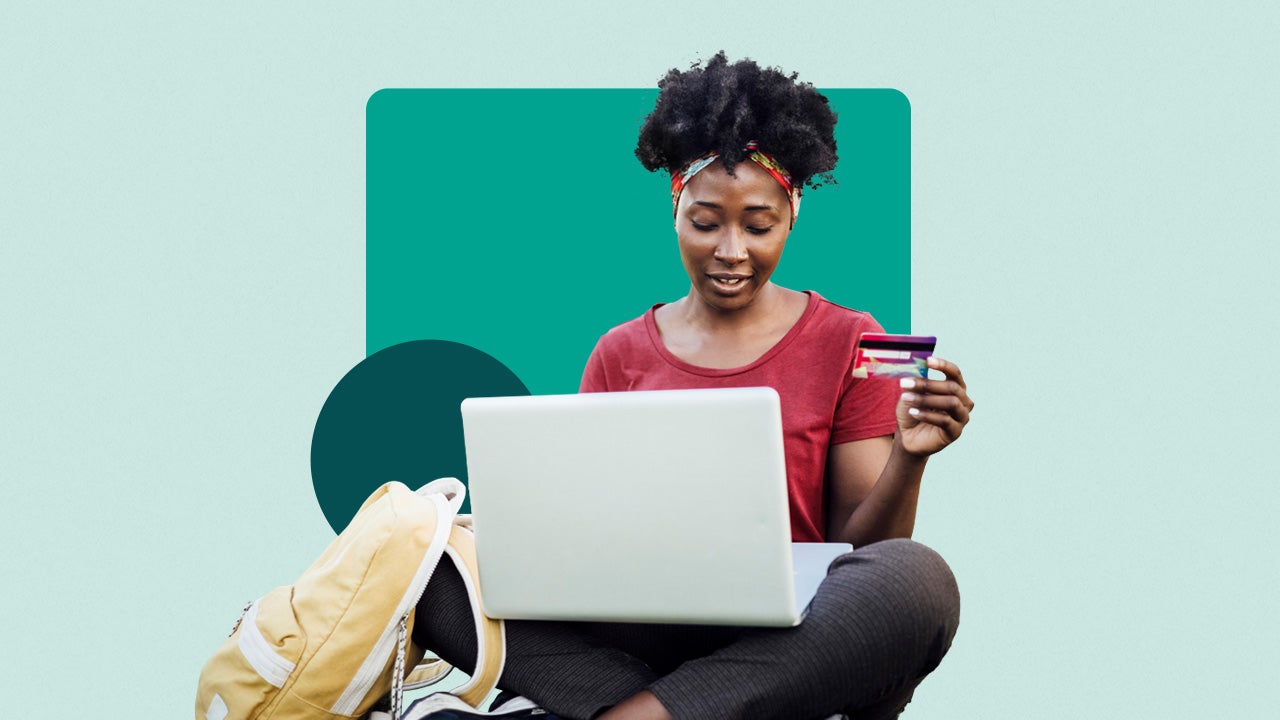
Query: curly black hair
(721, 107)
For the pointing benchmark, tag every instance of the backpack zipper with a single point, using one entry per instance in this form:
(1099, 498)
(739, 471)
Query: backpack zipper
(265, 661)
(371, 669)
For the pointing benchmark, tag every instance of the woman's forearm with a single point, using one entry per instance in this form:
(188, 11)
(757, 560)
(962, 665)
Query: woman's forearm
(889, 510)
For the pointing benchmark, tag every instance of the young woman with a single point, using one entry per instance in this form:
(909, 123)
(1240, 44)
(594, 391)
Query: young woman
(740, 142)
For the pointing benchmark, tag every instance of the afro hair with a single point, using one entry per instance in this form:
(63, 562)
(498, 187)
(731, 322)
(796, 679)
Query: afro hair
(721, 107)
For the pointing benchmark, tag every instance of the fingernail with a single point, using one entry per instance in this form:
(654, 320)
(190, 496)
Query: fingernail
(913, 411)
(907, 383)
(909, 397)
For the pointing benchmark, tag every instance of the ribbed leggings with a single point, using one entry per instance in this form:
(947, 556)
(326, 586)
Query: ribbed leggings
(881, 620)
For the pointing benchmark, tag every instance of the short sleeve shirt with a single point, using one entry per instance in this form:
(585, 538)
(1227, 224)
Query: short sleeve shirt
(810, 368)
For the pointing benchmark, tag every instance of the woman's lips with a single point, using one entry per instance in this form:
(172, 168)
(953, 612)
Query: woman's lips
(729, 284)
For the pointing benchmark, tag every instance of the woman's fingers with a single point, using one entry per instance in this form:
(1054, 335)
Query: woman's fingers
(952, 385)
(935, 387)
(946, 367)
(950, 405)
(948, 423)
(936, 411)
(943, 403)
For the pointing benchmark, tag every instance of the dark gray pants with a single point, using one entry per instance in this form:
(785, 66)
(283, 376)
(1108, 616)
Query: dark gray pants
(880, 622)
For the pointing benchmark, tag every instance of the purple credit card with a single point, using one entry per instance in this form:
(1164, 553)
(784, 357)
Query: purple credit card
(892, 356)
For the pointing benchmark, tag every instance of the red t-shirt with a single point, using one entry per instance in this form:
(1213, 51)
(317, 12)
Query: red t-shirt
(822, 404)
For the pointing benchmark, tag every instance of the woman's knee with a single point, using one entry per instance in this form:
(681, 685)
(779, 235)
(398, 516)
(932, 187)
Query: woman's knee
(901, 564)
(910, 583)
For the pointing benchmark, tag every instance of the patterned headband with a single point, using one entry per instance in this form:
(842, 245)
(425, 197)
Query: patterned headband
(682, 177)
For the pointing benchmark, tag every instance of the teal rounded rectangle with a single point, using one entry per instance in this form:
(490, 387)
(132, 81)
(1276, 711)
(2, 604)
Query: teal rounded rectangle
(519, 221)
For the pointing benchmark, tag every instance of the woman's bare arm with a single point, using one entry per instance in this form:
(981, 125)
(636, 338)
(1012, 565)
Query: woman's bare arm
(874, 487)
(874, 484)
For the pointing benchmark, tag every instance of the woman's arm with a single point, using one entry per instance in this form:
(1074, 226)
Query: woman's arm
(874, 484)
(866, 503)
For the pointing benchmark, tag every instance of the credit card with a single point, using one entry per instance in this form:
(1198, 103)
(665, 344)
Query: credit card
(892, 356)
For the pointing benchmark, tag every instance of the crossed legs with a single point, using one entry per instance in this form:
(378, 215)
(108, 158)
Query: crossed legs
(881, 621)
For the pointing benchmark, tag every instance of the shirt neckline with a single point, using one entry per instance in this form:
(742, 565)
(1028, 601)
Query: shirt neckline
(651, 324)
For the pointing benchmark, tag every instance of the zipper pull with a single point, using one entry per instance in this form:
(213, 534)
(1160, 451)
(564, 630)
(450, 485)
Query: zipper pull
(241, 618)
(397, 668)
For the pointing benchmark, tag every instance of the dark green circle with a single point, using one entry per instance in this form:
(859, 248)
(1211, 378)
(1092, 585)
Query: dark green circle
(396, 416)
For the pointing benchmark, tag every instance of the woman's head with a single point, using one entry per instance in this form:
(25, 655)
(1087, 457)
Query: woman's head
(739, 141)
(722, 107)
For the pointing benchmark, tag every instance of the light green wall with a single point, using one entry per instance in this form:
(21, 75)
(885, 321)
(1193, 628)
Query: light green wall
(1094, 234)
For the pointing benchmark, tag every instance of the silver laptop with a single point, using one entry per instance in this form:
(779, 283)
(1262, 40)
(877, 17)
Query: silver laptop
(656, 506)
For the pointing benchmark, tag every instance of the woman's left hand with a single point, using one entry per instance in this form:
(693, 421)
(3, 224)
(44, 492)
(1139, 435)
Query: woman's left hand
(933, 413)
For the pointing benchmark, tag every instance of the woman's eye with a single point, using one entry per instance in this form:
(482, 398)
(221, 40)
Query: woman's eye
(759, 230)
(703, 227)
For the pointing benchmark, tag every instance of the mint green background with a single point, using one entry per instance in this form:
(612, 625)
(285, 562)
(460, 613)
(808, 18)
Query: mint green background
(1093, 201)
(473, 236)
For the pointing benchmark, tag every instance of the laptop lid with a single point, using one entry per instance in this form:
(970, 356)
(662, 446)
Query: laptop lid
(655, 506)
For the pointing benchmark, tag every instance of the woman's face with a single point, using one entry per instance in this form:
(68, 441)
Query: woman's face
(731, 230)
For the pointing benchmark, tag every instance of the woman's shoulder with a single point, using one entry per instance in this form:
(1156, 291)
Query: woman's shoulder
(619, 355)
(830, 315)
(631, 332)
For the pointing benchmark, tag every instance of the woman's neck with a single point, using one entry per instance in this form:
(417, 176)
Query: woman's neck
(712, 338)
(764, 309)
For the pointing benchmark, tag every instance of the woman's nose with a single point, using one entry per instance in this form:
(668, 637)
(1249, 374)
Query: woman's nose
(732, 248)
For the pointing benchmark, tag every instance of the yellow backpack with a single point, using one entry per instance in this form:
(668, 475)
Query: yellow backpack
(336, 641)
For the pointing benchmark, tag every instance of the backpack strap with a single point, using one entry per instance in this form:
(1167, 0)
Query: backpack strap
(491, 640)
(491, 634)
(428, 672)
